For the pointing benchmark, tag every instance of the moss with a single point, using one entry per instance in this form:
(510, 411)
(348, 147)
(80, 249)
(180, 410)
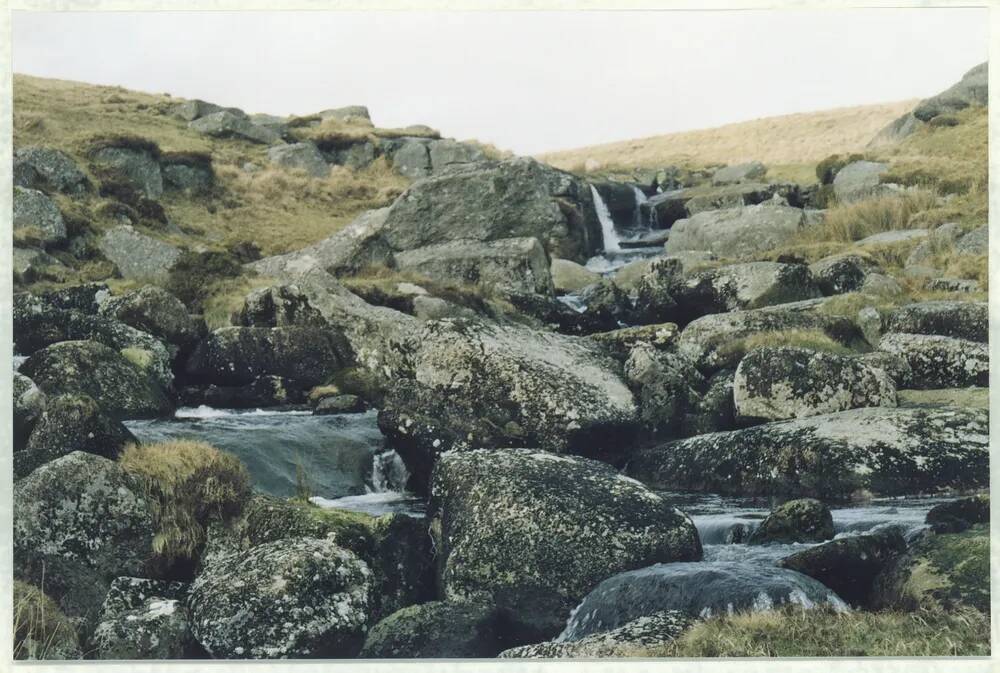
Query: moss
(140, 357)
(813, 339)
(195, 273)
(41, 630)
(269, 519)
(964, 560)
(189, 484)
(824, 633)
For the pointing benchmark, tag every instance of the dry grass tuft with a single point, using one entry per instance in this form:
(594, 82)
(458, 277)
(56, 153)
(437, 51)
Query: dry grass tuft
(189, 484)
(812, 339)
(854, 221)
(41, 630)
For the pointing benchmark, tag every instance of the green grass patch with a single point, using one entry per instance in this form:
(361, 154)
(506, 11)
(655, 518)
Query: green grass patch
(800, 338)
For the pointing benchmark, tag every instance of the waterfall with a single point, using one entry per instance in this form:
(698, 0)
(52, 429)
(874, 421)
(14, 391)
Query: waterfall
(641, 198)
(389, 473)
(607, 224)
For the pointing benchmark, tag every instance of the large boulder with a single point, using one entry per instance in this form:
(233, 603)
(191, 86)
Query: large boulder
(234, 356)
(884, 450)
(290, 598)
(753, 170)
(154, 310)
(29, 404)
(630, 640)
(665, 386)
(664, 209)
(742, 286)
(226, 124)
(144, 619)
(519, 264)
(620, 342)
(695, 589)
(537, 531)
(492, 200)
(36, 217)
(713, 341)
(446, 152)
(136, 166)
(37, 325)
(86, 297)
(938, 572)
(49, 170)
(32, 264)
(303, 156)
(845, 272)
(972, 89)
(976, 242)
(803, 520)
(849, 565)
(784, 382)
(958, 515)
(79, 522)
(436, 630)
(124, 389)
(736, 232)
(940, 361)
(279, 306)
(859, 180)
(71, 423)
(190, 173)
(959, 319)
(138, 256)
(569, 277)
(412, 159)
(351, 249)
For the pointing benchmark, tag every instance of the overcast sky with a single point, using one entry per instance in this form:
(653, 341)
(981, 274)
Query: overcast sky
(526, 81)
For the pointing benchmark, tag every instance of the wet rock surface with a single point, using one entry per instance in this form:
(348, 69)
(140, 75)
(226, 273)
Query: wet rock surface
(805, 520)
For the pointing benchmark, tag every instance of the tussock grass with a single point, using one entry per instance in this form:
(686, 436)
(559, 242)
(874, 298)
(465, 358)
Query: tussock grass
(854, 221)
(799, 140)
(227, 296)
(41, 630)
(189, 484)
(812, 339)
(824, 633)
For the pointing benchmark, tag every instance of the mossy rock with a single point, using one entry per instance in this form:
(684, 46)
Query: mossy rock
(436, 630)
(939, 572)
(803, 520)
(958, 515)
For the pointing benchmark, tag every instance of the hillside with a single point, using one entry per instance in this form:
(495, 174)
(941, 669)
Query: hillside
(785, 143)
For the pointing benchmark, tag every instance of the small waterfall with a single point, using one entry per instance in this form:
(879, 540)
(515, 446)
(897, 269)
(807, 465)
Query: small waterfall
(611, 241)
(389, 473)
(641, 198)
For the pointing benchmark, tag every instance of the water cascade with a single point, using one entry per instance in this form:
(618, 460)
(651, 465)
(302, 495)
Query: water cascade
(611, 240)
(641, 198)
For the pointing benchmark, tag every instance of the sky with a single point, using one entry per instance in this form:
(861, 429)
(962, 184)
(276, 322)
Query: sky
(529, 82)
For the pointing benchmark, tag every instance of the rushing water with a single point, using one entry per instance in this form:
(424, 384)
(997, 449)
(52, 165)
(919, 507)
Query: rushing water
(342, 457)
(608, 232)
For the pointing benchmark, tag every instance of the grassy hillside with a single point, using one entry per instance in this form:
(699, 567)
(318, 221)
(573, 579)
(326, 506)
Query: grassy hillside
(279, 210)
(790, 145)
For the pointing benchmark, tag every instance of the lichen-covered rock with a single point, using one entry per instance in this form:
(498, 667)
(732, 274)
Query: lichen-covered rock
(620, 342)
(938, 572)
(279, 306)
(695, 589)
(709, 340)
(49, 170)
(940, 361)
(665, 385)
(188, 173)
(136, 255)
(77, 534)
(884, 450)
(37, 217)
(154, 310)
(746, 172)
(437, 630)
(564, 392)
(32, 264)
(849, 565)
(487, 201)
(630, 640)
(447, 152)
(41, 630)
(86, 297)
(958, 515)
(339, 404)
(537, 531)
(569, 277)
(136, 166)
(894, 365)
(842, 273)
(71, 423)
(742, 286)
(412, 159)
(303, 156)
(783, 382)
(196, 108)
(654, 301)
(516, 263)
(144, 619)
(714, 410)
(263, 391)
(952, 285)
(859, 180)
(976, 242)
(803, 520)
(607, 306)
(959, 319)
(395, 546)
(736, 232)
(290, 598)
(29, 403)
(233, 356)
(124, 389)
(226, 124)
(37, 325)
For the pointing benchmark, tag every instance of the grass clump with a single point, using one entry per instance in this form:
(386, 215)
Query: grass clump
(41, 630)
(793, 632)
(122, 141)
(826, 170)
(189, 484)
(812, 339)
(854, 221)
(194, 275)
